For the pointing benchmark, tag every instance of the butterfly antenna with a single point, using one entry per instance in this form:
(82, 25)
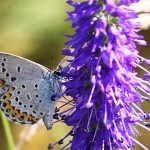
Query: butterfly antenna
(52, 62)
(60, 64)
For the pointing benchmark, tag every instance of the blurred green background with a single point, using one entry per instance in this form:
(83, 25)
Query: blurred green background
(34, 29)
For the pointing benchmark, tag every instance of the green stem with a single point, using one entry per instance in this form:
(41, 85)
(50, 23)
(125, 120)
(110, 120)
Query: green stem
(7, 130)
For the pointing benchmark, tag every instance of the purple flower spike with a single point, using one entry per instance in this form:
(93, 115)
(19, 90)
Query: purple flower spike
(101, 78)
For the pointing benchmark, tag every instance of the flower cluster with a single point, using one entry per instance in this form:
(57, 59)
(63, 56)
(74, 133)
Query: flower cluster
(101, 77)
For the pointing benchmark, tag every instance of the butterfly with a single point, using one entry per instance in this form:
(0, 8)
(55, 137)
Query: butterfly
(28, 91)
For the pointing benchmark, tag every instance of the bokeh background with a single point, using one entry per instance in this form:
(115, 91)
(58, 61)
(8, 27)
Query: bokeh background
(34, 29)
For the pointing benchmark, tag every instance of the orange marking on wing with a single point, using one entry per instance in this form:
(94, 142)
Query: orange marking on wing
(2, 83)
(10, 108)
(16, 112)
(6, 96)
(5, 104)
(10, 89)
(32, 119)
(23, 116)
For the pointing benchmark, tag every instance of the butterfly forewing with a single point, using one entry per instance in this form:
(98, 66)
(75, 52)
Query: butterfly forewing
(11, 65)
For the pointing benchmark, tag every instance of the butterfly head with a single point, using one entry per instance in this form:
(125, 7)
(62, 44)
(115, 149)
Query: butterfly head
(57, 73)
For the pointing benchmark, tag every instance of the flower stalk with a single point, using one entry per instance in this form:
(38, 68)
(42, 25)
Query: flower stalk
(106, 90)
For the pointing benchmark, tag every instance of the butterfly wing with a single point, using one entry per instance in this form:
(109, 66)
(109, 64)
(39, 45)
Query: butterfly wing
(24, 89)
(11, 65)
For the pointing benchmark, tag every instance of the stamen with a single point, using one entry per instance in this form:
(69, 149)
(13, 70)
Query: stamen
(143, 90)
(89, 104)
(113, 96)
(88, 124)
(97, 125)
(144, 69)
(138, 108)
(140, 144)
(139, 124)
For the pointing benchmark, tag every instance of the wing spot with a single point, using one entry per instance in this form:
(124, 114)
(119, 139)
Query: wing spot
(29, 118)
(16, 112)
(4, 104)
(31, 106)
(23, 86)
(37, 95)
(32, 119)
(18, 68)
(20, 103)
(3, 69)
(13, 115)
(16, 99)
(34, 111)
(18, 92)
(28, 96)
(7, 74)
(22, 117)
(6, 96)
(7, 110)
(2, 64)
(4, 59)
(13, 79)
(36, 85)
(40, 101)
(41, 113)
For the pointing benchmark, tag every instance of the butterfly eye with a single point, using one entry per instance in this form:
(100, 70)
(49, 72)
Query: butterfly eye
(57, 73)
